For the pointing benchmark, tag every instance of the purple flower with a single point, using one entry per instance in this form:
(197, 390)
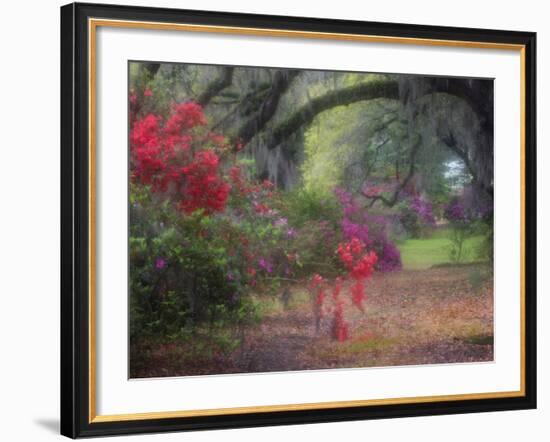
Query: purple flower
(423, 209)
(389, 257)
(372, 230)
(265, 265)
(469, 205)
(280, 222)
(343, 196)
(160, 263)
(230, 276)
(455, 211)
(291, 233)
(354, 230)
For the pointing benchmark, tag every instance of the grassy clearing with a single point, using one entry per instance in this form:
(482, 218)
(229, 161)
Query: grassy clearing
(420, 254)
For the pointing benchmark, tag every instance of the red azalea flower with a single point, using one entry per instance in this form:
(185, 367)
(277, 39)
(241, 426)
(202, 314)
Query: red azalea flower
(161, 157)
(340, 327)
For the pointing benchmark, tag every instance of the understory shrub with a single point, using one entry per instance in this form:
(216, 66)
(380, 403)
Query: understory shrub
(416, 216)
(371, 229)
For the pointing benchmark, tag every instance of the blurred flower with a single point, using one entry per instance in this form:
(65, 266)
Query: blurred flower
(160, 263)
(389, 257)
(316, 280)
(265, 265)
(423, 209)
(260, 208)
(455, 211)
(234, 298)
(280, 222)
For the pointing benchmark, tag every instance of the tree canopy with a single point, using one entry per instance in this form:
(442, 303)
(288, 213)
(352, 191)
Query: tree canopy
(288, 119)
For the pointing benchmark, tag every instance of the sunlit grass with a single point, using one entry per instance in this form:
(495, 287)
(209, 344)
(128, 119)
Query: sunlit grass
(362, 345)
(273, 304)
(420, 254)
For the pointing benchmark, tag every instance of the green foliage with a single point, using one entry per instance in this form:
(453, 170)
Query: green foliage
(485, 250)
(197, 280)
(480, 339)
(315, 216)
(320, 171)
(186, 272)
(316, 244)
(305, 205)
(460, 232)
(457, 251)
(410, 220)
(344, 141)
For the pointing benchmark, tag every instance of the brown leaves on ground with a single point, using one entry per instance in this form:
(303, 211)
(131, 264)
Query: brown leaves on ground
(411, 317)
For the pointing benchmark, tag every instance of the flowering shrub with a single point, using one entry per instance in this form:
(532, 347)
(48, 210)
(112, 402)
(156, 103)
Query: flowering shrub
(359, 265)
(185, 272)
(423, 209)
(317, 288)
(192, 259)
(468, 207)
(212, 244)
(372, 230)
(178, 161)
(203, 189)
(416, 215)
(455, 212)
(340, 327)
(467, 215)
(390, 256)
(268, 241)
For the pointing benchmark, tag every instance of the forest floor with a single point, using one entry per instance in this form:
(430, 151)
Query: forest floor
(411, 317)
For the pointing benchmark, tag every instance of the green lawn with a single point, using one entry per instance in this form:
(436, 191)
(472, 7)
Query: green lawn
(418, 254)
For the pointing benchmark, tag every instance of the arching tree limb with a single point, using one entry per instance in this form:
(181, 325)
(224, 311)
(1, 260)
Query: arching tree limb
(216, 86)
(281, 82)
(152, 69)
(340, 97)
(246, 105)
(390, 202)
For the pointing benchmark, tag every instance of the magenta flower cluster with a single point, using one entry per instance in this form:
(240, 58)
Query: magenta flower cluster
(455, 211)
(371, 230)
(160, 263)
(423, 209)
(266, 265)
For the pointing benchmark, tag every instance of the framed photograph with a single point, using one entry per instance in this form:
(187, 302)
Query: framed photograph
(274, 220)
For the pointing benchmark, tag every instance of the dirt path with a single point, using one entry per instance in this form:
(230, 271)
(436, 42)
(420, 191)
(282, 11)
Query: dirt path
(280, 343)
(427, 317)
(411, 317)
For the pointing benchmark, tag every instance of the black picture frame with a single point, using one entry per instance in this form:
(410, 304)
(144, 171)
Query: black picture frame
(75, 221)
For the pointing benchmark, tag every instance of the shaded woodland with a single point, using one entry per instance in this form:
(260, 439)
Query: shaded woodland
(286, 219)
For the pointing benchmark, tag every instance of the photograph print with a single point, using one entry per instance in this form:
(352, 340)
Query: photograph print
(288, 219)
